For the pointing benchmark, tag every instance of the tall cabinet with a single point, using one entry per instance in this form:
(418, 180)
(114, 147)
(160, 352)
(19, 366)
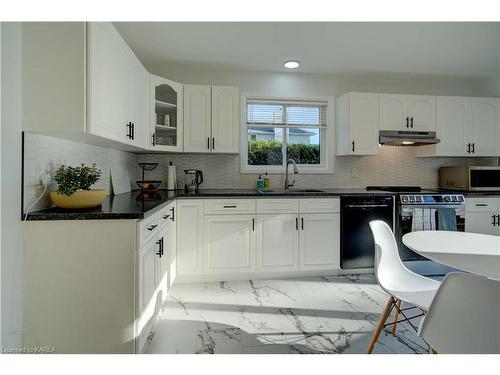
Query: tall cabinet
(211, 119)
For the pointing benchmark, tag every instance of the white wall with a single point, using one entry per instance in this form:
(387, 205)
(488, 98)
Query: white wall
(11, 246)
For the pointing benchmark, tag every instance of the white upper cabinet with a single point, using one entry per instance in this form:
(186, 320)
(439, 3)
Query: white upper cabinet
(407, 112)
(466, 127)
(482, 126)
(211, 119)
(118, 88)
(422, 112)
(357, 124)
(166, 115)
(394, 112)
(225, 119)
(197, 118)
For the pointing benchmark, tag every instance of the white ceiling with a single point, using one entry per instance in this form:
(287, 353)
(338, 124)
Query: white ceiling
(469, 49)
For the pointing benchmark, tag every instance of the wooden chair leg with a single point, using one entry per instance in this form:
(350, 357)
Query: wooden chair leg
(383, 319)
(396, 316)
(432, 351)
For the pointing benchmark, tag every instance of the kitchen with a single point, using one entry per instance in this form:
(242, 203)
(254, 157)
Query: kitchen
(235, 198)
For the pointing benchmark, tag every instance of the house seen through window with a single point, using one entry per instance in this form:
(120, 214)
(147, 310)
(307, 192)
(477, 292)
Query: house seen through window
(280, 130)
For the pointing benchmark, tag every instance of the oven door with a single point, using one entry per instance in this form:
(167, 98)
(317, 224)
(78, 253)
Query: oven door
(405, 225)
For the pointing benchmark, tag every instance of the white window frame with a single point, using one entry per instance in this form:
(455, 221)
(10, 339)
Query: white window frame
(327, 144)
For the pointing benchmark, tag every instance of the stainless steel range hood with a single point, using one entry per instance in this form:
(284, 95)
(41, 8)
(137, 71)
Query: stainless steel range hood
(407, 138)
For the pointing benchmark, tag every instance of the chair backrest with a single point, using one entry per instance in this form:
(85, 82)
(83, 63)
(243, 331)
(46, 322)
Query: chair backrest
(464, 317)
(389, 269)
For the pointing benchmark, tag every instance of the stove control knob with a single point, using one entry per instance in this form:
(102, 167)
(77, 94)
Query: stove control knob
(454, 198)
(404, 199)
(412, 198)
(418, 199)
(460, 198)
(447, 199)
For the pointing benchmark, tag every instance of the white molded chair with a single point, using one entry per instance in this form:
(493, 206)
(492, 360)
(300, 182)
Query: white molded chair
(464, 317)
(399, 282)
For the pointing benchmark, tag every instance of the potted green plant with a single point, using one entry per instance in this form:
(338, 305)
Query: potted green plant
(74, 187)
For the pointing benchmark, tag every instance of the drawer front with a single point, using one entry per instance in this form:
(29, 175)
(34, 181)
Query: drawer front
(479, 204)
(277, 206)
(319, 205)
(148, 228)
(228, 206)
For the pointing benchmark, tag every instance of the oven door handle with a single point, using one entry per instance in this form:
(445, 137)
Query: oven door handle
(366, 205)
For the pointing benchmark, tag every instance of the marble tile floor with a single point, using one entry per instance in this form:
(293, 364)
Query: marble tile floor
(324, 315)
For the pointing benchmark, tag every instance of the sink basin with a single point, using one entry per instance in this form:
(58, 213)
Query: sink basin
(290, 192)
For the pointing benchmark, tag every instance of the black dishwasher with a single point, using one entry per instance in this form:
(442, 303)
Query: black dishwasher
(357, 247)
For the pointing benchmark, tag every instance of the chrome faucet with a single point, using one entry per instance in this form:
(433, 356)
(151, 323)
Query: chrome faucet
(295, 171)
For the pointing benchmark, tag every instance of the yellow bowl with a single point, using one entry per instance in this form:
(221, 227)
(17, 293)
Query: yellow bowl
(79, 199)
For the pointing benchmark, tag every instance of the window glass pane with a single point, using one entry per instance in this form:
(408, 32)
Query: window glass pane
(265, 113)
(304, 145)
(265, 146)
(303, 115)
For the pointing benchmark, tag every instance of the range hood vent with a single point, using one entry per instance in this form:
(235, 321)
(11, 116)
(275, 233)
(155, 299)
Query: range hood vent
(407, 138)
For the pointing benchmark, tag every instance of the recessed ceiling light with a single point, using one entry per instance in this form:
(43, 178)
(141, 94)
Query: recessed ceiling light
(291, 64)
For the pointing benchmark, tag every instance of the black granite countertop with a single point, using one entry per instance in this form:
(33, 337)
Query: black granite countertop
(136, 205)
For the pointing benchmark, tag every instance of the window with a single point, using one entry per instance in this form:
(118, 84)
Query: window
(278, 130)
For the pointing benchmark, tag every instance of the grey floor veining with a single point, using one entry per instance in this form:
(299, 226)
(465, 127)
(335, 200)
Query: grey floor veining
(336, 314)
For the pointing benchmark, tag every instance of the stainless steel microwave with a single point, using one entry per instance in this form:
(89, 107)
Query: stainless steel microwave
(482, 178)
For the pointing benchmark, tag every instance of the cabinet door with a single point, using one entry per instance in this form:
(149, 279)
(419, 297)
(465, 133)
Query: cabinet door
(482, 126)
(139, 102)
(197, 118)
(162, 263)
(189, 255)
(277, 243)
(229, 243)
(481, 222)
(394, 112)
(225, 119)
(364, 123)
(147, 290)
(319, 242)
(108, 74)
(451, 125)
(422, 112)
(166, 115)
(170, 245)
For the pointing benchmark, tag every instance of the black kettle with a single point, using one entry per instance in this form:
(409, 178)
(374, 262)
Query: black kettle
(194, 178)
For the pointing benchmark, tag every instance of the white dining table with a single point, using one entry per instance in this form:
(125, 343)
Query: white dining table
(471, 252)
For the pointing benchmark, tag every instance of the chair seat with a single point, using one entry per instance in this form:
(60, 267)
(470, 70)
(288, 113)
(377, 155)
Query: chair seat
(413, 289)
(420, 298)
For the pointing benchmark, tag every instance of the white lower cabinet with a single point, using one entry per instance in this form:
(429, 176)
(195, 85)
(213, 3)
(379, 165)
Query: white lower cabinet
(147, 290)
(277, 242)
(319, 242)
(482, 215)
(189, 218)
(229, 243)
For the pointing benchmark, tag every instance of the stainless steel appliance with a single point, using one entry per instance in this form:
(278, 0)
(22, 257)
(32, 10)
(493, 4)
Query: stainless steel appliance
(194, 178)
(482, 178)
(407, 199)
(407, 138)
(357, 249)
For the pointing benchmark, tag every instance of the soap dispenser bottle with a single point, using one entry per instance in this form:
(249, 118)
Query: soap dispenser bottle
(260, 182)
(267, 181)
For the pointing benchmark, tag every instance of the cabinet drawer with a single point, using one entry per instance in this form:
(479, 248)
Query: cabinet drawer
(228, 206)
(147, 229)
(481, 204)
(165, 215)
(317, 205)
(277, 206)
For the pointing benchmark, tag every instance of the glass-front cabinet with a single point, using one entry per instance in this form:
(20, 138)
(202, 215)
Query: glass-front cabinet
(166, 115)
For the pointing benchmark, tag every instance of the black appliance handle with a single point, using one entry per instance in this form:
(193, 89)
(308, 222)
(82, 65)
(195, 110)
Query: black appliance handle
(366, 205)
(199, 177)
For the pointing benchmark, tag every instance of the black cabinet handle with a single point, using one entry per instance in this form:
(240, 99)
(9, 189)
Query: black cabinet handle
(352, 146)
(253, 224)
(159, 248)
(474, 147)
(153, 136)
(208, 143)
(213, 143)
(494, 222)
(411, 122)
(302, 223)
(152, 227)
(129, 130)
(296, 223)
(133, 131)
(166, 216)
(407, 124)
(468, 148)
(229, 206)
(172, 217)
